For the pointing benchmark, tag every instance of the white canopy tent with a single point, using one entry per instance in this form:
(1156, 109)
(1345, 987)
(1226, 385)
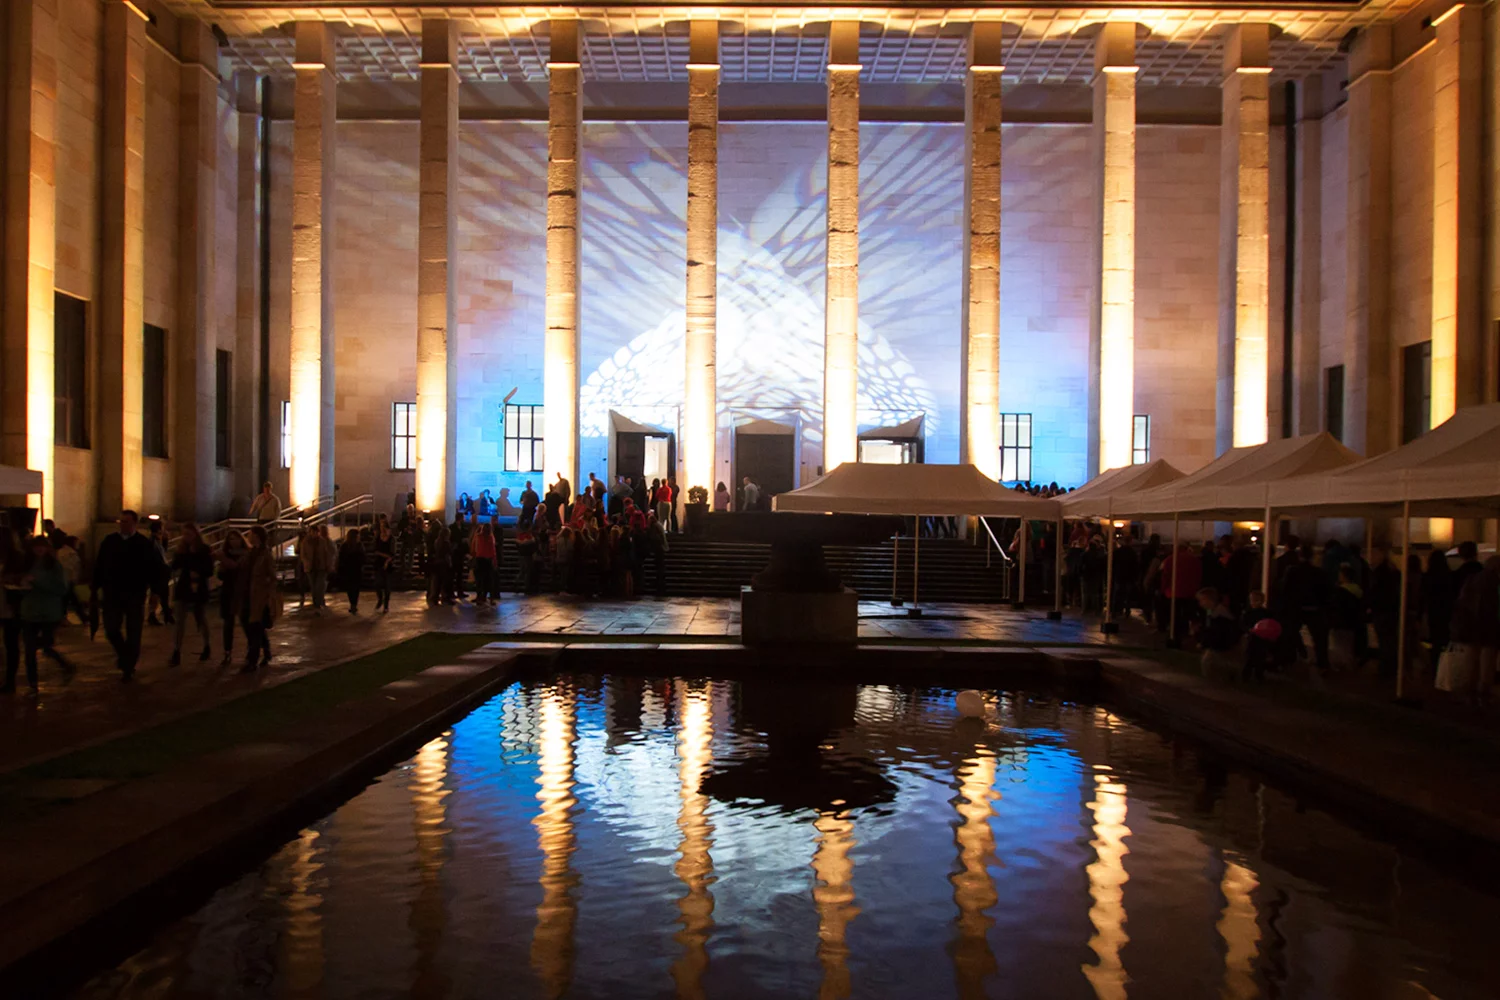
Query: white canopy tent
(917, 490)
(19, 482)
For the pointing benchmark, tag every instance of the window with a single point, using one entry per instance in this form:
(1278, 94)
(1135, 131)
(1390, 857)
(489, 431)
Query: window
(70, 371)
(286, 433)
(1333, 401)
(1416, 390)
(523, 438)
(223, 387)
(403, 437)
(1140, 440)
(1015, 446)
(154, 392)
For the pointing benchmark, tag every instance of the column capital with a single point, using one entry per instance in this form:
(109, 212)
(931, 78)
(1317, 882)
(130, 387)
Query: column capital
(314, 47)
(987, 45)
(1247, 48)
(197, 46)
(1373, 52)
(703, 44)
(563, 47)
(1114, 47)
(439, 43)
(843, 44)
(247, 92)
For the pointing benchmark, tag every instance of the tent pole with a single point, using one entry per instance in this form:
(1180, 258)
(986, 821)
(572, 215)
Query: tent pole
(1265, 554)
(916, 559)
(1021, 601)
(1057, 549)
(1369, 539)
(1109, 574)
(1172, 601)
(895, 564)
(1401, 614)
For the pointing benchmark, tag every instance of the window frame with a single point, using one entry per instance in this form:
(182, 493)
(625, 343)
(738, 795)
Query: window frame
(70, 380)
(1013, 427)
(403, 436)
(155, 436)
(1333, 401)
(223, 408)
(516, 418)
(286, 433)
(1140, 439)
(1416, 373)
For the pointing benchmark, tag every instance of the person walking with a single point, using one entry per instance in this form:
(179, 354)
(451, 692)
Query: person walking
(317, 557)
(192, 566)
(43, 604)
(458, 536)
(441, 589)
(1438, 599)
(262, 603)
(351, 568)
(384, 559)
(232, 556)
(126, 569)
(721, 498)
(484, 566)
(1476, 624)
(750, 495)
(266, 507)
(12, 571)
(1384, 602)
(159, 596)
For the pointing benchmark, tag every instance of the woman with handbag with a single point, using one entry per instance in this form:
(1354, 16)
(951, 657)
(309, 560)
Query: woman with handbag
(262, 604)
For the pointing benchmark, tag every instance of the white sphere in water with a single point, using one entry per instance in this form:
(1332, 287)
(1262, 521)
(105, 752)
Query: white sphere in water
(970, 704)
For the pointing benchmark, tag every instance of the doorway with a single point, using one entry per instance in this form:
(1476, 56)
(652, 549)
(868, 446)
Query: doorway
(766, 452)
(641, 455)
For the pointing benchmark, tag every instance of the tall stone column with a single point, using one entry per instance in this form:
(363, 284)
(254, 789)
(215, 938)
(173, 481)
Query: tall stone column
(1245, 239)
(1458, 345)
(1307, 281)
(560, 358)
(437, 359)
(245, 449)
(196, 338)
(1369, 417)
(26, 364)
(979, 407)
(314, 120)
(1112, 305)
(841, 319)
(700, 350)
(122, 289)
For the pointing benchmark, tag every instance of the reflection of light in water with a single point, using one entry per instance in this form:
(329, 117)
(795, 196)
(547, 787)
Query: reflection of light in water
(302, 939)
(428, 789)
(834, 896)
(552, 943)
(1240, 929)
(973, 888)
(1107, 878)
(877, 703)
(694, 866)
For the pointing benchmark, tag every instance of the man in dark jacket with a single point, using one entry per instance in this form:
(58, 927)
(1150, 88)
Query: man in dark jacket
(126, 569)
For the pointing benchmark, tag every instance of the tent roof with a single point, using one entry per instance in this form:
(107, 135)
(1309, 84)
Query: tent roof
(622, 424)
(871, 488)
(764, 427)
(1096, 497)
(897, 432)
(1238, 483)
(1453, 470)
(19, 481)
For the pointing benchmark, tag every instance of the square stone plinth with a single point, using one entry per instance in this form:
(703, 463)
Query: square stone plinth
(771, 617)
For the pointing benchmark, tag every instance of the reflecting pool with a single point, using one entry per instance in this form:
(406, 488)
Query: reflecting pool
(621, 836)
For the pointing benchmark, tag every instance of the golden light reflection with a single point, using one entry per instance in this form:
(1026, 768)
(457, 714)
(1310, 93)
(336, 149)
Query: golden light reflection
(430, 821)
(694, 865)
(973, 887)
(557, 914)
(1107, 878)
(301, 939)
(1239, 927)
(834, 896)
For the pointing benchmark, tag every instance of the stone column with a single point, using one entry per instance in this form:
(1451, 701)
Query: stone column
(560, 359)
(26, 376)
(245, 444)
(841, 319)
(314, 114)
(700, 386)
(1458, 343)
(196, 338)
(437, 361)
(979, 407)
(1112, 305)
(1245, 239)
(1307, 281)
(122, 287)
(1369, 416)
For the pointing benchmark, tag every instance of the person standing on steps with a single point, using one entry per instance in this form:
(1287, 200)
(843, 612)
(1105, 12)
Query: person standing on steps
(750, 495)
(125, 570)
(192, 565)
(529, 500)
(262, 603)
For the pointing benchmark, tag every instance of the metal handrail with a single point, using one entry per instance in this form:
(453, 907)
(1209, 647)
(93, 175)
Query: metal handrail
(998, 547)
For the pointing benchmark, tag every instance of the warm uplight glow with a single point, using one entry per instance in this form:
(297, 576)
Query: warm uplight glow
(1114, 116)
(1247, 157)
(981, 386)
(1240, 928)
(430, 824)
(841, 330)
(437, 375)
(301, 939)
(700, 349)
(973, 886)
(1107, 878)
(694, 865)
(552, 942)
(834, 895)
(560, 352)
(1455, 284)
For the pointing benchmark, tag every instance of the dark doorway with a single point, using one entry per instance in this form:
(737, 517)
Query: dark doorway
(768, 459)
(640, 455)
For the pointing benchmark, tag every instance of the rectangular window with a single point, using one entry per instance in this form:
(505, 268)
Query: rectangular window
(523, 438)
(1416, 390)
(1015, 447)
(223, 389)
(1333, 401)
(403, 437)
(70, 371)
(154, 392)
(1140, 440)
(286, 433)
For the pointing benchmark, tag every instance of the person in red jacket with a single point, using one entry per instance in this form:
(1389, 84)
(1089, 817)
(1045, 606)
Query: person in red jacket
(1181, 576)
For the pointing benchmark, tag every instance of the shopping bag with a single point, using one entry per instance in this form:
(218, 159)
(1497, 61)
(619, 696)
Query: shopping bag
(1452, 669)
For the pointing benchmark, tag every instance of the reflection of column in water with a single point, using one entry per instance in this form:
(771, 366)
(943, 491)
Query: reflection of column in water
(302, 938)
(1240, 929)
(834, 896)
(694, 865)
(430, 819)
(552, 943)
(1107, 878)
(973, 887)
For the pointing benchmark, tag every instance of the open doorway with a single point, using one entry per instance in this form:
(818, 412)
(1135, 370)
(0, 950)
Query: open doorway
(641, 451)
(766, 451)
(897, 444)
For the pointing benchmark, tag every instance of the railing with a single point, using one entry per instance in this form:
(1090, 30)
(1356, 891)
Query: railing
(284, 529)
(1006, 560)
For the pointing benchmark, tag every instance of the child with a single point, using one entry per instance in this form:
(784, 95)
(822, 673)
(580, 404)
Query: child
(1258, 649)
(1218, 635)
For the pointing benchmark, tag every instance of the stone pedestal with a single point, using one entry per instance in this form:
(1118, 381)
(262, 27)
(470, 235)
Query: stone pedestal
(771, 617)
